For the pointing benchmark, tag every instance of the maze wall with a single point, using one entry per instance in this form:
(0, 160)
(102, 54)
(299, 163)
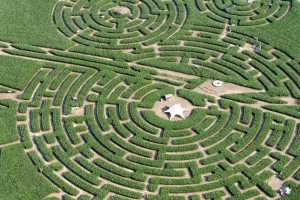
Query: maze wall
(92, 133)
(244, 12)
(212, 52)
(99, 24)
(86, 118)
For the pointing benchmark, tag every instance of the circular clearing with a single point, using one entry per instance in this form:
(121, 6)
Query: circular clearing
(119, 25)
(122, 10)
(160, 106)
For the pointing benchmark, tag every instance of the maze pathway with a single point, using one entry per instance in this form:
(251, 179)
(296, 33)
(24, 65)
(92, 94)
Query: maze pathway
(119, 148)
(87, 118)
(244, 12)
(100, 24)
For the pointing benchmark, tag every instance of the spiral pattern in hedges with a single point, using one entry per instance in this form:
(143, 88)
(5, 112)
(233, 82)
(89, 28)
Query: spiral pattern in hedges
(245, 12)
(88, 127)
(92, 134)
(119, 24)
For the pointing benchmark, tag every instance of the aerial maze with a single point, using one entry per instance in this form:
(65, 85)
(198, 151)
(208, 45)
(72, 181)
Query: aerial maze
(86, 118)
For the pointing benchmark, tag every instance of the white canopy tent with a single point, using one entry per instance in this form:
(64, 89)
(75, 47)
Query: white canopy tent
(175, 110)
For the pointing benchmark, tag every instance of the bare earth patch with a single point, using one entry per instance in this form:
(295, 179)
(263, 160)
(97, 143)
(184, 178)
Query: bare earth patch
(195, 33)
(224, 33)
(127, 50)
(227, 88)
(290, 100)
(78, 111)
(122, 10)
(13, 95)
(160, 105)
(246, 47)
(275, 183)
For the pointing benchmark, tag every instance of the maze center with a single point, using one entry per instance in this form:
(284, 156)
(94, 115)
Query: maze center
(163, 104)
(160, 100)
(122, 10)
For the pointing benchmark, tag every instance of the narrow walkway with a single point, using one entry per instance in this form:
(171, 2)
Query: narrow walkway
(9, 144)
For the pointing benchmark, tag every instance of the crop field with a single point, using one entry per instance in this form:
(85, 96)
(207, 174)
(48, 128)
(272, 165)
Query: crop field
(88, 87)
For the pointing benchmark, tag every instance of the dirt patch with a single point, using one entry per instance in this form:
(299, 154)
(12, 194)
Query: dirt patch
(122, 10)
(78, 111)
(159, 106)
(275, 183)
(195, 33)
(290, 100)
(227, 88)
(127, 50)
(246, 47)
(7, 95)
(224, 33)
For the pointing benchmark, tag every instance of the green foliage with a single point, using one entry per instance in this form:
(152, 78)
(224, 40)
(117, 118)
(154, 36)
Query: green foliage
(27, 28)
(85, 116)
(17, 173)
(8, 132)
(16, 73)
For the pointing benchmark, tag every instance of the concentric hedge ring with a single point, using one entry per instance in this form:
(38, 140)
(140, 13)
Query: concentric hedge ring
(92, 132)
(119, 24)
(117, 148)
(245, 12)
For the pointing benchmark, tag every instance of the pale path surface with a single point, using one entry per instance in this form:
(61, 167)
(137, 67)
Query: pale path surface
(246, 47)
(122, 10)
(275, 183)
(160, 105)
(9, 144)
(178, 151)
(13, 95)
(227, 88)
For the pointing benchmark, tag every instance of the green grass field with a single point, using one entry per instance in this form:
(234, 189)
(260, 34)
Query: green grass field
(82, 108)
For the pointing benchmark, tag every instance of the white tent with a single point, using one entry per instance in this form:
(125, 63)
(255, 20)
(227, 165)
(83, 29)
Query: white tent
(284, 190)
(175, 110)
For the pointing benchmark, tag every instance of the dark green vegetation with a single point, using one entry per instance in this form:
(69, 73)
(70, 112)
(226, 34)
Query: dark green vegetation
(79, 80)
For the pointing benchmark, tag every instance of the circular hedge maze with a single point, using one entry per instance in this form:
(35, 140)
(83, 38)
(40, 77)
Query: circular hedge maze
(87, 119)
(93, 133)
(244, 12)
(119, 24)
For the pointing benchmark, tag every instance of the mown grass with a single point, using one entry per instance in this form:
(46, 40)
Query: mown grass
(8, 131)
(284, 33)
(19, 180)
(15, 73)
(29, 22)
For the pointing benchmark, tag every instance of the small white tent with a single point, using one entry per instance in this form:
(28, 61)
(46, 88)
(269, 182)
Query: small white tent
(284, 190)
(175, 110)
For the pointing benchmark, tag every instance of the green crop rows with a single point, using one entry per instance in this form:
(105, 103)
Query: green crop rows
(84, 115)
